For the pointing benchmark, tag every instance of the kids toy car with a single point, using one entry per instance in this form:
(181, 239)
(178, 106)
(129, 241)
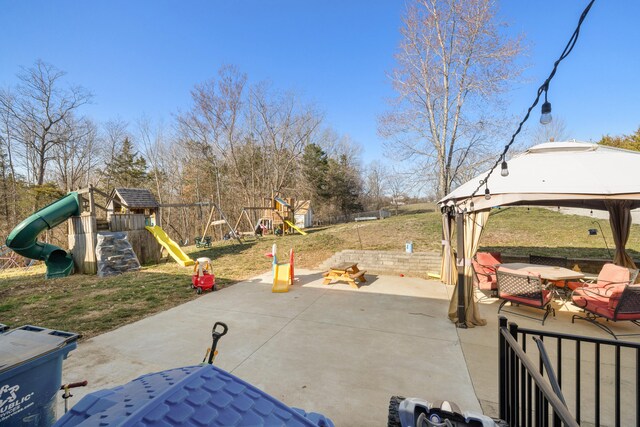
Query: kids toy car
(202, 278)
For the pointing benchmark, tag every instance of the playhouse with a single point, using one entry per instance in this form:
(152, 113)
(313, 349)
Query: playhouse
(124, 201)
(128, 210)
(303, 214)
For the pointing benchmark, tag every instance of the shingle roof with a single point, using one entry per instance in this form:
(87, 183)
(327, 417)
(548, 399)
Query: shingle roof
(136, 197)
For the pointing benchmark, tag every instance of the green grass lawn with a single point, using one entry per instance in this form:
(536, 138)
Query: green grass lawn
(90, 305)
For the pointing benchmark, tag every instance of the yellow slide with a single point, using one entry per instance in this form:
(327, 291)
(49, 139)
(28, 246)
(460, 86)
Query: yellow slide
(281, 277)
(292, 225)
(172, 247)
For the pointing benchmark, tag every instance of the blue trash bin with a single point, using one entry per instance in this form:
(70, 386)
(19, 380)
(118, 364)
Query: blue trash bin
(31, 374)
(201, 395)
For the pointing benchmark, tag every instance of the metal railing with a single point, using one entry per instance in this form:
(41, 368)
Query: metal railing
(588, 371)
(526, 397)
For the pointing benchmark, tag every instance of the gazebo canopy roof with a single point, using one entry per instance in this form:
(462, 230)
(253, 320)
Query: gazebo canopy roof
(573, 174)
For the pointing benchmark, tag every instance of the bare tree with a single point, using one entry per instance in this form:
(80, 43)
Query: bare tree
(113, 134)
(154, 151)
(7, 147)
(284, 127)
(376, 184)
(451, 64)
(75, 157)
(215, 119)
(397, 188)
(42, 113)
(554, 131)
(257, 135)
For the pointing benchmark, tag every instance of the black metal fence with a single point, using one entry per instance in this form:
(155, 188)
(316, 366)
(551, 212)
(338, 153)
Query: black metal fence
(598, 380)
(526, 397)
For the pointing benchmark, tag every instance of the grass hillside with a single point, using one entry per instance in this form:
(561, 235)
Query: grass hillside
(90, 305)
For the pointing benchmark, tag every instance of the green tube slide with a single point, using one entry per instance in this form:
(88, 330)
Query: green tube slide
(22, 239)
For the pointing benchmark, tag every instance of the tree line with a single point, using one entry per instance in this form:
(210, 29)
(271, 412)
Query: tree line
(236, 144)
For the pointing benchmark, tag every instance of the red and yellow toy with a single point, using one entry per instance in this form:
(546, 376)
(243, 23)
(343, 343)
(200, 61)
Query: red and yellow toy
(202, 279)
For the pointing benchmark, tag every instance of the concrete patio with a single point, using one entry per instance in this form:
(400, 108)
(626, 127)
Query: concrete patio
(325, 348)
(340, 351)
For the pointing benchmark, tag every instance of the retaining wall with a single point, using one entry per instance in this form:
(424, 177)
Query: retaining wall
(386, 262)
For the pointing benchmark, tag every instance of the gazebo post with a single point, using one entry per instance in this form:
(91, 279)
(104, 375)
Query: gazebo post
(460, 264)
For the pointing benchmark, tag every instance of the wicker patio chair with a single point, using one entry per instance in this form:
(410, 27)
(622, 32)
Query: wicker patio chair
(548, 260)
(521, 288)
(552, 262)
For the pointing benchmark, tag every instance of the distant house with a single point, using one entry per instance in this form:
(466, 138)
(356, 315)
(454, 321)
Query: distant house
(303, 213)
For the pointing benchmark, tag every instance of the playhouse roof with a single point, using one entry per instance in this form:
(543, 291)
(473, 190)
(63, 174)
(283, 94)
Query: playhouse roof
(302, 207)
(136, 197)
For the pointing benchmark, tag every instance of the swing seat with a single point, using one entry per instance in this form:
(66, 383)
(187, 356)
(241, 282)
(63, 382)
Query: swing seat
(203, 242)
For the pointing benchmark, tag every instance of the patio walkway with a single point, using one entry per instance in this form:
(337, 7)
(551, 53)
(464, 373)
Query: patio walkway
(329, 349)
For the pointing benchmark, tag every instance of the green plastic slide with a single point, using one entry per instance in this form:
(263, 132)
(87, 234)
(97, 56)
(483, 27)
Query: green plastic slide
(22, 239)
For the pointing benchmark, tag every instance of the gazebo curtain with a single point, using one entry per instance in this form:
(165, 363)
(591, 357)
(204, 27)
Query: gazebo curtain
(620, 221)
(474, 224)
(448, 271)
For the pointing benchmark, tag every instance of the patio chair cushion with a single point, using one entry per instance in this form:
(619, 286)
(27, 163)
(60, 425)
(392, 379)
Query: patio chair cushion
(582, 296)
(489, 258)
(611, 274)
(601, 308)
(534, 302)
(487, 283)
(484, 264)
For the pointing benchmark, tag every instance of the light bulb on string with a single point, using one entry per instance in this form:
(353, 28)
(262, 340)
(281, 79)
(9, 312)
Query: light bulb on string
(546, 118)
(487, 193)
(504, 171)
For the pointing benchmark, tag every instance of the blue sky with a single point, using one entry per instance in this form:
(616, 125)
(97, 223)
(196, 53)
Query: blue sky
(141, 58)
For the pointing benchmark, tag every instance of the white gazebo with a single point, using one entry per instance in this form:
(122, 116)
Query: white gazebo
(567, 174)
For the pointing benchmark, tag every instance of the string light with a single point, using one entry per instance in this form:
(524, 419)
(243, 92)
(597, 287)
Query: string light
(487, 193)
(543, 88)
(546, 118)
(504, 171)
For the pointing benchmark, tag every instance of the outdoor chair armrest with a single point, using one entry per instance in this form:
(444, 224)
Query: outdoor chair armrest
(572, 299)
(487, 275)
(490, 270)
(611, 285)
(615, 296)
(587, 293)
(574, 285)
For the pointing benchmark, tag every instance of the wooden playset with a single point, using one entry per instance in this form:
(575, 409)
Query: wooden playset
(277, 216)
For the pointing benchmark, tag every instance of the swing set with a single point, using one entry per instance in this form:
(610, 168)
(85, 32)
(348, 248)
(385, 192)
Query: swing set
(204, 241)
